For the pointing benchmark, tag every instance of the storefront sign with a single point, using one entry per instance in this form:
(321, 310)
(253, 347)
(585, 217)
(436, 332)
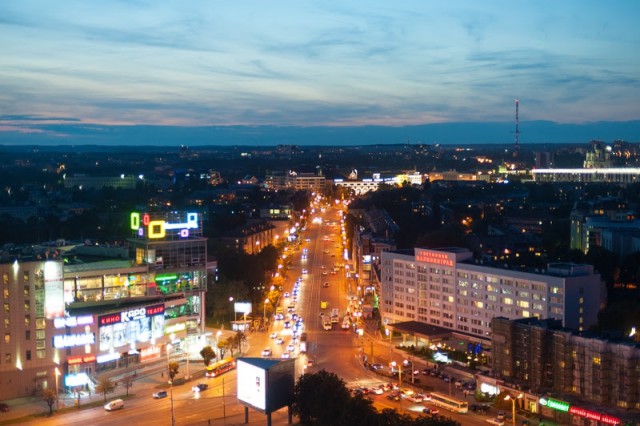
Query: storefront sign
(100, 359)
(71, 340)
(132, 314)
(72, 321)
(73, 360)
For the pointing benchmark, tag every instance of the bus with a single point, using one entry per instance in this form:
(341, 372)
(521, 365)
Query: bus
(449, 402)
(220, 367)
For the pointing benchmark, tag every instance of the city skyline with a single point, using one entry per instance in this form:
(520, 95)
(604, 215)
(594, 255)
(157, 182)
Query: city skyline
(84, 69)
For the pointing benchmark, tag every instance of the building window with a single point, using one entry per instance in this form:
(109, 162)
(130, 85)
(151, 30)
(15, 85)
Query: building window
(27, 292)
(6, 293)
(7, 337)
(7, 323)
(7, 358)
(5, 278)
(7, 308)
(25, 277)
(597, 360)
(27, 335)
(28, 356)
(41, 354)
(40, 334)
(27, 320)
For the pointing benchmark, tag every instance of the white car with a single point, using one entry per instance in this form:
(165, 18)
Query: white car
(266, 353)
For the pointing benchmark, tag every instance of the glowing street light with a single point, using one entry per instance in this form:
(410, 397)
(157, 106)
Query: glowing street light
(264, 311)
(57, 390)
(513, 406)
(169, 347)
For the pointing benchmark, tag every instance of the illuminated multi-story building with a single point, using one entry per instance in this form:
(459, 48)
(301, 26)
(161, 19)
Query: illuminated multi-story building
(65, 323)
(32, 295)
(446, 288)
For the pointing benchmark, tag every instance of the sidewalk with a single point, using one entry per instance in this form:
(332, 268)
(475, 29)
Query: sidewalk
(148, 378)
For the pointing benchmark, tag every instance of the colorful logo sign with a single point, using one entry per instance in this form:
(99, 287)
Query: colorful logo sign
(155, 229)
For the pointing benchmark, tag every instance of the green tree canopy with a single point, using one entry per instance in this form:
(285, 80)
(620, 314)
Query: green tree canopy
(105, 386)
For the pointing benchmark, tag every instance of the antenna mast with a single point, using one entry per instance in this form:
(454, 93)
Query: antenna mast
(517, 146)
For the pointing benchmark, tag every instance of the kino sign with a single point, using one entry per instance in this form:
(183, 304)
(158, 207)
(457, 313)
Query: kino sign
(131, 315)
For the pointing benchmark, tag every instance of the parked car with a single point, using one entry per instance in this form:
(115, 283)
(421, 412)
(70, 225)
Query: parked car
(417, 398)
(430, 411)
(377, 366)
(501, 415)
(495, 422)
(160, 394)
(4, 407)
(266, 352)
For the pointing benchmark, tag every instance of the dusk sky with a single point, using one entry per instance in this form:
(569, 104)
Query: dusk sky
(316, 63)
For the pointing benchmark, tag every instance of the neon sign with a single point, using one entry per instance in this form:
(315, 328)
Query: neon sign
(70, 340)
(156, 229)
(72, 360)
(131, 315)
(434, 257)
(63, 322)
(580, 412)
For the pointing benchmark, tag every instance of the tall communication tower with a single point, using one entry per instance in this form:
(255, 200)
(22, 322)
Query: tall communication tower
(517, 132)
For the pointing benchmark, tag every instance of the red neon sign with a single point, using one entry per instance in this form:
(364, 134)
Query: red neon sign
(593, 415)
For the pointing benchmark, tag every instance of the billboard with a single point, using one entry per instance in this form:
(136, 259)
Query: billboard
(127, 327)
(265, 384)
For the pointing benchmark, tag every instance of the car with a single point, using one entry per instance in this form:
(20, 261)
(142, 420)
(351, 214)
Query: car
(325, 285)
(286, 294)
(324, 272)
(377, 390)
(377, 366)
(200, 387)
(266, 352)
(394, 396)
(160, 394)
(305, 272)
(4, 407)
(280, 341)
(430, 411)
(286, 355)
(287, 324)
(291, 348)
(478, 408)
(501, 415)
(495, 422)
(273, 335)
(116, 404)
(417, 398)
(333, 272)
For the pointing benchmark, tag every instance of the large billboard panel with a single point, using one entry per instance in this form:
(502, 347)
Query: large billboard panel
(265, 384)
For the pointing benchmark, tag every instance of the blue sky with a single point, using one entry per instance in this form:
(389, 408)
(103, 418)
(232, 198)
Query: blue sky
(316, 63)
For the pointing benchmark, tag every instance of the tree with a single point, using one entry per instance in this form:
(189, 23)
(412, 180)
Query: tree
(49, 396)
(207, 353)
(319, 399)
(127, 381)
(174, 368)
(105, 386)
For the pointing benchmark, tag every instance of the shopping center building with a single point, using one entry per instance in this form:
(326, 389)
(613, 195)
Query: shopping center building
(68, 322)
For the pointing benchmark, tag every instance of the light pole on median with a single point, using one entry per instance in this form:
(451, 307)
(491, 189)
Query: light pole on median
(57, 373)
(513, 406)
(173, 420)
(264, 313)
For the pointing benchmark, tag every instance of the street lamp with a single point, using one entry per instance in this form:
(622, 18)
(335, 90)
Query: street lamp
(234, 311)
(218, 334)
(513, 406)
(173, 420)
(57, 390)
(264, 312)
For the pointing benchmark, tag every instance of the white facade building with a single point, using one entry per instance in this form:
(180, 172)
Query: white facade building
(444, 287)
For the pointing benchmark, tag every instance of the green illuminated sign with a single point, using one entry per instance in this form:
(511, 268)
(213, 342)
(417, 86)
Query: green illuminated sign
(166, 277)
(556, 405)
